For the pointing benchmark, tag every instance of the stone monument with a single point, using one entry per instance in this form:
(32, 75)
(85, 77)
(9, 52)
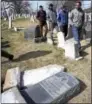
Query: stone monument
(55, 89)
(71, 49)
(12, 95)
(61, 39)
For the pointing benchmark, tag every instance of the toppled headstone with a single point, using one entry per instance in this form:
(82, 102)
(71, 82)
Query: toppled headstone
(71, 49)
(34, 76)
(61, 39)
(12, 78)
(55, 89)
(12, 96)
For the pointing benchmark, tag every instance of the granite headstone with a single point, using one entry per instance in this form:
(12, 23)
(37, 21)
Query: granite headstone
(55, 89)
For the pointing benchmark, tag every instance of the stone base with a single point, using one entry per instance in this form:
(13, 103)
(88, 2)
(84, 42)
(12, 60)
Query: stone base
(12, 96)
(12, 78)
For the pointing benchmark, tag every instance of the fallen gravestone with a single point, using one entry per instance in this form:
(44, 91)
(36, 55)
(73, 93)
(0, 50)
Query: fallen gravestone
(55, 89)
(16, 78)
(12, 95)
(39, 74)
(12, 78)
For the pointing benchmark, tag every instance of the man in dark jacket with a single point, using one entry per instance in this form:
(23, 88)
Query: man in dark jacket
(41, 16)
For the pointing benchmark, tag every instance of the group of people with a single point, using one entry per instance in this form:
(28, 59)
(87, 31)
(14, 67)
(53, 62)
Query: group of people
(60, 19)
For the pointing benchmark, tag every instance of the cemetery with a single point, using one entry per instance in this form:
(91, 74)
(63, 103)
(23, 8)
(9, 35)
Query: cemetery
(43, 72)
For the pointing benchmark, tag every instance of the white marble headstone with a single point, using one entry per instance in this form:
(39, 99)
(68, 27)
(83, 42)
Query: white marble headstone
(32, 19)
(71, 49)
(39, 74)
(61, 39)
(12, 95)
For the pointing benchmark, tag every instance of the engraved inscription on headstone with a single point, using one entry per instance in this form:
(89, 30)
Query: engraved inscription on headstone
(56, 88)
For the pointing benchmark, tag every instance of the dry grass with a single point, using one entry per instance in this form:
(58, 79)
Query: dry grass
(29, 55)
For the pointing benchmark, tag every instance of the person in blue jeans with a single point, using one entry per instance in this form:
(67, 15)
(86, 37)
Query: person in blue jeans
(77, 22)
(62, 19)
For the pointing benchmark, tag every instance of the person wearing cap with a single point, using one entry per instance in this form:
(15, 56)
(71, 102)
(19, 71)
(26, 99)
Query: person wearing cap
(41, 17)
(62, 18)
(52, 19)
(77, 22)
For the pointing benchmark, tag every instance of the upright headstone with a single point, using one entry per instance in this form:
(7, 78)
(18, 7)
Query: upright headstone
(49, 40)
(12, 95)
(15, 29)
(61, 39)
(29, 33)
(55, 89)
(71, 49)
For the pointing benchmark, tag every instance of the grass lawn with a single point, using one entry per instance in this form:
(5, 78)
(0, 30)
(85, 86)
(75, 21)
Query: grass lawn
(28, 55)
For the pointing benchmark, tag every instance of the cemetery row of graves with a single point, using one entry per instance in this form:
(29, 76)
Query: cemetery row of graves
(29, 55)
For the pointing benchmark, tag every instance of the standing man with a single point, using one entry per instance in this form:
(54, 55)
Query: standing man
(41, 16)
(52, 19)
(77, 21)
(62, 18)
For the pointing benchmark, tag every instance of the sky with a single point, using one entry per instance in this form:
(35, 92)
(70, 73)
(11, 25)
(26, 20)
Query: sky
(86, 4)
(34, 4)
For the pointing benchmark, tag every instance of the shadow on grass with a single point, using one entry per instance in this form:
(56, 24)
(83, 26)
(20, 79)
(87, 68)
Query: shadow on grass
(83, 86)
(5, 44)
(33, 54)
(86, 46)
(83, 54)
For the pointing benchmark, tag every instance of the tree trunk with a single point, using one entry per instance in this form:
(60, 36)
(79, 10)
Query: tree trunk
(10, 22)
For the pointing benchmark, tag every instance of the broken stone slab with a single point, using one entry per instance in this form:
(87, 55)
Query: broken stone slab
(12, 78)
(55, 89)
(31, 77)
(12, 95)
(61, 40)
